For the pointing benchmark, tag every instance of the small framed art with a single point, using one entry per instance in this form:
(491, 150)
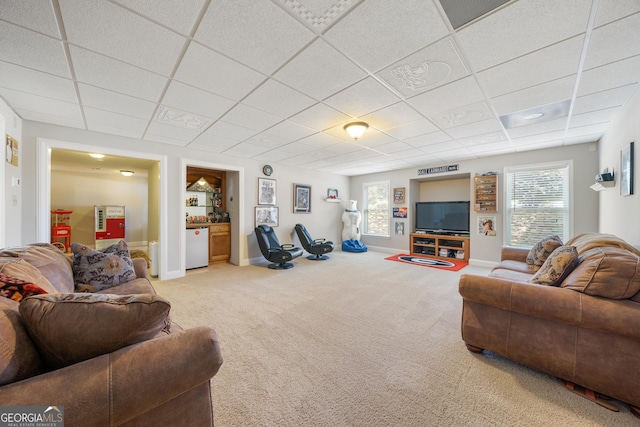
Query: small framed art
(266, 191)
(626, 170)
(398, 195)
(301, 198)
(267, 215)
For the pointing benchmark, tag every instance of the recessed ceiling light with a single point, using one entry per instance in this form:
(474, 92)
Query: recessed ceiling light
(126, 173)
(537, 114)
(96, 155)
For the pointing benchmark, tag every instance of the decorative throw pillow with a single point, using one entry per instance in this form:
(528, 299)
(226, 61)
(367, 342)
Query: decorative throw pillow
(18, 267)
(96, 270)
(541, 251)
(70, 328)
(17, 289)
(558, 266)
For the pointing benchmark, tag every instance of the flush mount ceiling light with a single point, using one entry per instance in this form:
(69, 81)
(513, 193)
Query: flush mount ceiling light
(538, 114)
(356, 129)
(126, 173)
(96, 155)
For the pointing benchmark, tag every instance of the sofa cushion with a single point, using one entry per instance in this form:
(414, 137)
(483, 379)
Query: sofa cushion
(70, 328)
(541, 250)
(608, 272)
(49, 260)
(95, 270)
(17, 267)
(559, 264)
(18, 289)
(19, 357)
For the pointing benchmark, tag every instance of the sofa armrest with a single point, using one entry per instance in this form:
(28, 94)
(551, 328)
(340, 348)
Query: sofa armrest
(513, 253)
(140, 268)
(120, 386)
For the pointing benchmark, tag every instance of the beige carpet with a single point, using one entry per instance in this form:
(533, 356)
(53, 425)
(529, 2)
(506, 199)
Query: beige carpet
(360, 341)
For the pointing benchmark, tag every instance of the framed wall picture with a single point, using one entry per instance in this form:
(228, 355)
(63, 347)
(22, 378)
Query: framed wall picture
(267, 215)
(400, 212)
(332, 193)
(12, 152)
(301, 198)
(626, 170)
(487, 225)
(266, 191)
(398, 195)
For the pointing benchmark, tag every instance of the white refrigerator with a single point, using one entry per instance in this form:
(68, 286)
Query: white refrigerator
(197, 247)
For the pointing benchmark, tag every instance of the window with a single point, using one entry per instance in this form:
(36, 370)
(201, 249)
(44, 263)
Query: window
(537, 203)
(375, 220)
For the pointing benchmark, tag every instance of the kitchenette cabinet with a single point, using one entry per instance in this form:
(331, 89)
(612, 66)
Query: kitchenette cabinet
(219, 242)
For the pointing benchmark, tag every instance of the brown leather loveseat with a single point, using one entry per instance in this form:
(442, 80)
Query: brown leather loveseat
(132, 366)
(585, 329)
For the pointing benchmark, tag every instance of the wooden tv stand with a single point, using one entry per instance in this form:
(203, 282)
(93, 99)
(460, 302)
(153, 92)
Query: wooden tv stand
(457, 247)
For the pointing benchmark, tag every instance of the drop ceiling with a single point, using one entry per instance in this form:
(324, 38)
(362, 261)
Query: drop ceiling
(275, 81)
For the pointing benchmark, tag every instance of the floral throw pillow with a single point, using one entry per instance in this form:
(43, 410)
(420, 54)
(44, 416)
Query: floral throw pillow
(560, 263)
(95, 270)
(18, 289)
(541, 251)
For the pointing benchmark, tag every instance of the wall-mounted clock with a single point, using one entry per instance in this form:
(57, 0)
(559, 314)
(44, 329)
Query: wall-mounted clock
(267, 170)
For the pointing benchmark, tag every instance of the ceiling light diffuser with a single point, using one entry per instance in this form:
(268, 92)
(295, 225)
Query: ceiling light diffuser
(356, 129)
(127, 173)
(96, 155)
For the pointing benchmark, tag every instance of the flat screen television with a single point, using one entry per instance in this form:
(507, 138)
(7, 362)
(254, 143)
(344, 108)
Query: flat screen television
(443, 217)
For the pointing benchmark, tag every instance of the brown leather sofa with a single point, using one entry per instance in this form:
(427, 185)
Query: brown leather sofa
(585, 331)
(164, 380)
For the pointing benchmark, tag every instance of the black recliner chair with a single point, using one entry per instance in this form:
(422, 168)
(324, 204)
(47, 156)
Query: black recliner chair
(317, 248)
(273, 251)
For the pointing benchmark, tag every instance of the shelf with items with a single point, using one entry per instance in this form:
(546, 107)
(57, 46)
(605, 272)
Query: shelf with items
(486, 193)
(440, 246)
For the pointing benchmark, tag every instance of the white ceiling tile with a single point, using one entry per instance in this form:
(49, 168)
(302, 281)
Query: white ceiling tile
(278, 99)
(547, 93)
(171, 131)
(178, 15)
(401, 28)
(586, 130)
(610, 10)
(462, 92)
(111, 30)
(36, 15)
(44, 53)
(107, 73)
(361, 98)
(296, 148)
(35, 82)
(521, 28)
(267, 141)
(165, 140)
(320, 117)
(318, 14)
(115, 102)
(476, 128)
(462, 116)
(50, 118)
(208, 70)
(373, 137)
(439, 147)
(412, 129)
(245, 150)
(288, 131)
(615, 41)
(258, 34)
(100, 121)
(197, 101)
(40, 104)
(392, 116)
(487, 138)
(431, 67)
(428, 139)
(491, 147)
(320, 140)
(320, 71)
(593, 117)
(273, 156)
(212, 143)
(392, 147)
(610, 76)
(605, 99)
(243, 115)
(533, 143)
(582, 139)
(229, 131)
(533, 69)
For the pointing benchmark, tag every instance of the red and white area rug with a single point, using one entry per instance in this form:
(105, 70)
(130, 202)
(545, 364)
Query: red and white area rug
(444, 264)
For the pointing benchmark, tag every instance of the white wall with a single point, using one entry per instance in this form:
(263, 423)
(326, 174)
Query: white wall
(10, 194)
(324, 221)
(618, 214)
(82, 192)
(486, 248)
